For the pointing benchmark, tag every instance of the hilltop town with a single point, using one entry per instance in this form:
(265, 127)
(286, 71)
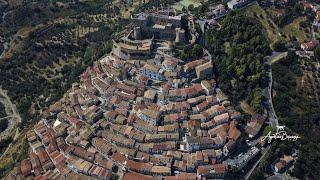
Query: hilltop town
(140, 112)
(180, 94)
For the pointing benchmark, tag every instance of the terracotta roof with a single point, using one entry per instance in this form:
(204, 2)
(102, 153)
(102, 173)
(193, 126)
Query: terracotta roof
(43, 156)
(136, 176)
(119, 157)
(25, 167)
(219, 168)
(191, 65)
(182, 176)
(126, 88)
(310, 45)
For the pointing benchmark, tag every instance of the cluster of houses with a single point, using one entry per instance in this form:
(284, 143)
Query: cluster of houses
(237, 4)
(120, 116)
(283, 163)
(141, 118)
(308, 47)
(220, 10)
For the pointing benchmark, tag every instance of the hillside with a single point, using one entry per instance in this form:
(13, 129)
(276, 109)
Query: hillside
(45, 45)
(277, 29)
(2, 111)
(240, 63)
(296, 99)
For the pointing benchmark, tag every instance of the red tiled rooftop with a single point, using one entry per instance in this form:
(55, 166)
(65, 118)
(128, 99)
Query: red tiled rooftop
(136, 176)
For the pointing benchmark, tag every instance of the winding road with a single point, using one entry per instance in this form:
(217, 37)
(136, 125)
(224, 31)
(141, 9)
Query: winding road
(267, 92)
(5, 48)
(12, 115)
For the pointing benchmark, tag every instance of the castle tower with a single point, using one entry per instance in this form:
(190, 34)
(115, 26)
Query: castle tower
(137, 33)
(180, 35)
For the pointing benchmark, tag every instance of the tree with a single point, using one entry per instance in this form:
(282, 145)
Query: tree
(240, 63)
(317, 53)
(114, 176)
(279, 46)
(184, 9)
(197, 51)
(191, 7)
(3, 124)
(183, 55)
(2, 111)
(268, 129)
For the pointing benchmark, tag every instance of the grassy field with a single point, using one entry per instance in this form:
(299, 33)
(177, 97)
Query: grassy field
(274, 33)
(255, 11)
(247, 108)
(186, 3)
(294, 29)
(15, 153)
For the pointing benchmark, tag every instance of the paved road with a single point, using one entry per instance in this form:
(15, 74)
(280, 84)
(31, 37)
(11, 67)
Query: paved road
(313, 33)
(267, 92)
(264, 151)
(10, 108)
(5, 48)
(7, 117)
(14, 116)
(279, 177)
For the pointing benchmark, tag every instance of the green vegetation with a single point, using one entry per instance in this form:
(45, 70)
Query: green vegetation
(297, 104)
(50, 45)
(293, 30)
(270, 28)
(279, 46)
(290, 12)
(2, 111)
(191, 52)
(4, 143)
(3, 124)
(281, 24)
(240, 69)
(199, 11)
(18, 156)
(268, 129)
(156, 3)
(264, 166)
(114, 177)
(317, 53)
(189, 4)
(276, 151)
(6, 169)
